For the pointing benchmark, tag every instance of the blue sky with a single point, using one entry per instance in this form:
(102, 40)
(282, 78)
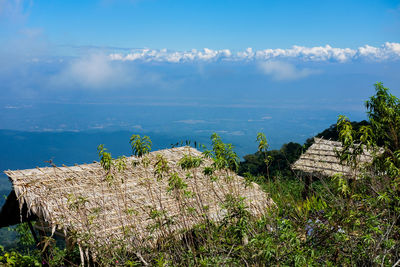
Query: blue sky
(184, 25)
(312, 55)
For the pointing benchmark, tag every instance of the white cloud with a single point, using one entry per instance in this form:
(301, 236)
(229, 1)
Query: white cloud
(388, 51)
(370, 51)
(94, 71)
(98, 72)
(191, 121)
(280, 70)
(393, 47)
(14, 10)
(235, 133)
(164, 55)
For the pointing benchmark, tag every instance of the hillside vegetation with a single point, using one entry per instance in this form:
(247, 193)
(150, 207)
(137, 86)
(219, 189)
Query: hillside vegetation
(344, 222)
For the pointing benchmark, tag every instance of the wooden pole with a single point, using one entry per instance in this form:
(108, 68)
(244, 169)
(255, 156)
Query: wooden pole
(307, 186)
(44, 250)
(33, 233)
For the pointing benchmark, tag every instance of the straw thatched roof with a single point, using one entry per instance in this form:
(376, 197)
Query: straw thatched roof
(136, 201)
(322, 158)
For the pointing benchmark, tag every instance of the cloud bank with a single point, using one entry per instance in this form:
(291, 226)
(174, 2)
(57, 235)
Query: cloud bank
(97, 71)
(92, 71)
(388, 51)
(280, 70)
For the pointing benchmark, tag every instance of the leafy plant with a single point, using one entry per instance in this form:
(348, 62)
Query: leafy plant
(105, 158)
(140, 145)
(222, 154)
(15, 258)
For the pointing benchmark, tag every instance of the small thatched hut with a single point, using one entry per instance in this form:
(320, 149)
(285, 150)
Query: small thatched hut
(140, 199)
(321, 158)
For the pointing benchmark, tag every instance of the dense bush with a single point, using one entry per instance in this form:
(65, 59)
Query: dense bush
(16, 258)
(278, 164)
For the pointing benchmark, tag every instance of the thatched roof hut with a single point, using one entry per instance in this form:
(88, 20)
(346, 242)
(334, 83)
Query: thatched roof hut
(138, 199)
(321, 158)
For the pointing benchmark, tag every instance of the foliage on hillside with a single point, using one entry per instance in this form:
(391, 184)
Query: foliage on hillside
(278, 164)
(332, 132)
(279, 161)
(346, 222)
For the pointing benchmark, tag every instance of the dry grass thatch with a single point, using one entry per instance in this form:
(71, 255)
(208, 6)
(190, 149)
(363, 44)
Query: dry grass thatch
(137, 201)
(322, 158)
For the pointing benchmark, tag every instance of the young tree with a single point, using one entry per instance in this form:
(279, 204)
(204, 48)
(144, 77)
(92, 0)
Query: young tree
(263, 148)
(140, 145)
(384, 115)
(383, 110)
